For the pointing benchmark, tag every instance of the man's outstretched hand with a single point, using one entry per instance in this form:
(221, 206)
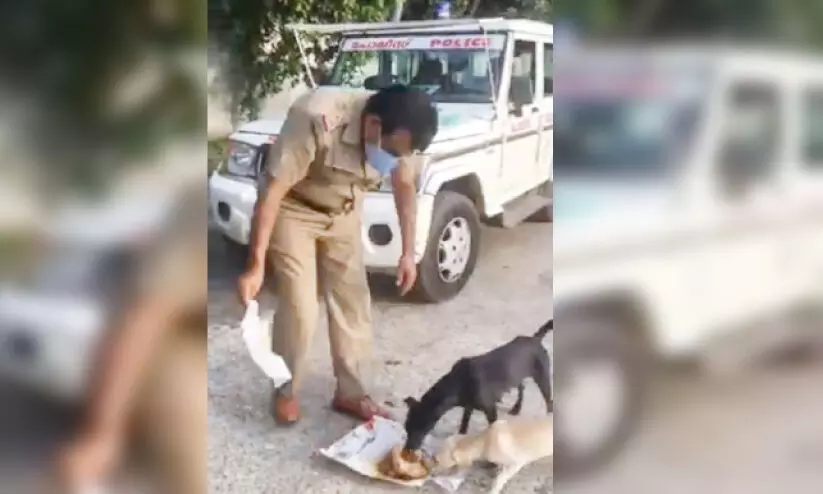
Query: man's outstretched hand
(406, 274)
(249, 284)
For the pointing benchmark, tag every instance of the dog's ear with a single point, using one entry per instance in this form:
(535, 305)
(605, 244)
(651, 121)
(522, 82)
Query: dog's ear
(411, 402)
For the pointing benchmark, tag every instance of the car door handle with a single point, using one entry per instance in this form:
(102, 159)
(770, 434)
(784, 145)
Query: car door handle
(535, 109)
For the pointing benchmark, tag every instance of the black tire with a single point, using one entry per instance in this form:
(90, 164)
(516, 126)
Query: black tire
(236, 253)
(586, 338)
(431, 287)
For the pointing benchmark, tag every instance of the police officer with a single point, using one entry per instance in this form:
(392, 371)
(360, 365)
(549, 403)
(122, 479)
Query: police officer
(334, 145)
(151, 374)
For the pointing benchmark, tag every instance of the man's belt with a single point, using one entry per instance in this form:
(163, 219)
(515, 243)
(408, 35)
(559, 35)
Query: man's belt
(346, 207)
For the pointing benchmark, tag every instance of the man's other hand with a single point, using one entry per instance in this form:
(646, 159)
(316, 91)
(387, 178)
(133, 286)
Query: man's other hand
(250, 283)
(406, 274)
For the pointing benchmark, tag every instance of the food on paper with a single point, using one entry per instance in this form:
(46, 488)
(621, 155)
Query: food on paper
(373, 449)
(402, 464)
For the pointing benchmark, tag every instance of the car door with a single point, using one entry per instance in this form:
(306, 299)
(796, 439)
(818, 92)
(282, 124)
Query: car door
(521, 136)
(545, 105)
(804, 253)
(743, 280)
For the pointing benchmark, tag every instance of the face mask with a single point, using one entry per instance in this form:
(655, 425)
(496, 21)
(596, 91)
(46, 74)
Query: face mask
(380, 159)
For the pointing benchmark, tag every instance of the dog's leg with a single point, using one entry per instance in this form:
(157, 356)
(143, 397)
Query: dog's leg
(518, 406)
(503, 477)
(542, 377)
(491, 414)
(464, 423)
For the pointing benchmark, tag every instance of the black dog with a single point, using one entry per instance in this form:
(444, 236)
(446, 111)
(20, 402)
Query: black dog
(478, 383)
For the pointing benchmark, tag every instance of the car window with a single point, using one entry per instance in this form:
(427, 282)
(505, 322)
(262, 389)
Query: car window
(548, 69)
(751, 138)
(812, 128)
(524, 72)
(452, 68)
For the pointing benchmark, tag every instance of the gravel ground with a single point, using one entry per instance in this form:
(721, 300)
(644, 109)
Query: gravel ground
(509, 295)
(758, 432)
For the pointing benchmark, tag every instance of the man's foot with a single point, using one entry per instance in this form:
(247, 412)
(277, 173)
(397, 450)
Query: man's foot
(363, 408)
(284, 409)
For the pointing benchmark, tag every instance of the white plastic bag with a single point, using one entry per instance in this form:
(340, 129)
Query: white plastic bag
(257, 334)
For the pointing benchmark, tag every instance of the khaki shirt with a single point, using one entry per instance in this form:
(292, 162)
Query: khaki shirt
(176, 263)
(319, 153)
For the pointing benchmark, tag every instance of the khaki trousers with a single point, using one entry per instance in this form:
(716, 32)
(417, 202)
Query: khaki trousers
(172, 418)
(303, 242)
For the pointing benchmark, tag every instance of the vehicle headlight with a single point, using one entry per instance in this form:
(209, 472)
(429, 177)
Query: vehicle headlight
(241, 159)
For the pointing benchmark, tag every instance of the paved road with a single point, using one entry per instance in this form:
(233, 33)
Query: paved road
(509, 295)
(758, 432)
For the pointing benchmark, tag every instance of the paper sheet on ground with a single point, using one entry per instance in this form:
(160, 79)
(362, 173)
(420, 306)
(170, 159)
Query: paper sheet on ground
(257, 334)
(363, 448)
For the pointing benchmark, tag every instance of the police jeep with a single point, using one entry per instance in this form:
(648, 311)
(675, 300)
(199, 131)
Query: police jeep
(491, 160)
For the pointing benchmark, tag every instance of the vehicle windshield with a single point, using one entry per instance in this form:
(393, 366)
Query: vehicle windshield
(632, 129)
(452, 68)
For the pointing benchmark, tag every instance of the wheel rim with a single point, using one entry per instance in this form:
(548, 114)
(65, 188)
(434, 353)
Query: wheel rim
(591, 406)
(453, 249)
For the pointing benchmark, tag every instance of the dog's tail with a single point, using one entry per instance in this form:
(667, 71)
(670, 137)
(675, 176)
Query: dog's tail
(545, 329)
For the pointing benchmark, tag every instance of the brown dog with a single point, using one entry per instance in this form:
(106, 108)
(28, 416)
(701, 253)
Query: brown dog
(507, 443)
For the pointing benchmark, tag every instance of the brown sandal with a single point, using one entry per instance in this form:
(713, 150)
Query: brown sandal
(364, 409)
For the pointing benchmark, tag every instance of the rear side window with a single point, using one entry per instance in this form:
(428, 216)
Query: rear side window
(753, 132)
(812, 128)
(548, 69)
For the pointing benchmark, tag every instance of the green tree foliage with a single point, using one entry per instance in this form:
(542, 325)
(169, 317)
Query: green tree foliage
(70, 69)
(260, 57)
(529, 9)
(794, 22)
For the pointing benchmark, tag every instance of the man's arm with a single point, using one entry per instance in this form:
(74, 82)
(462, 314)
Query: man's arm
(404, 188)
(172, 284)
(262, 225)
(124, 358)
(289, 163)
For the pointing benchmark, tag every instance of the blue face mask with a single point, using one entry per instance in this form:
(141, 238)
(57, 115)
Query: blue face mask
(380, 159)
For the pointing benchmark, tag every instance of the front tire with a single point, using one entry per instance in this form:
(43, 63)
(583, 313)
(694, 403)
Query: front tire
(236, 253)
(451, 250)
(590, 344)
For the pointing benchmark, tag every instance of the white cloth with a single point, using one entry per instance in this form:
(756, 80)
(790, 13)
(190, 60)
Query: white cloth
(257, 334)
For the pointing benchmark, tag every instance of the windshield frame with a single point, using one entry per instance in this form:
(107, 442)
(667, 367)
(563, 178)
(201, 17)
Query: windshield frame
(499, 70)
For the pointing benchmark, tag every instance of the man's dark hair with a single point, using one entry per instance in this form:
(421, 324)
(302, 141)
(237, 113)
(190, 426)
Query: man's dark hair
(402, 107)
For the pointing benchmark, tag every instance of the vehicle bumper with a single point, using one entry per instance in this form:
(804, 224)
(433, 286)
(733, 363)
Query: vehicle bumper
(48, 343)
(232, 205)
(382, 242)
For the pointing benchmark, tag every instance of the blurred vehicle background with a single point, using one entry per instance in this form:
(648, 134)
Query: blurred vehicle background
(102, 132)
(688, 228)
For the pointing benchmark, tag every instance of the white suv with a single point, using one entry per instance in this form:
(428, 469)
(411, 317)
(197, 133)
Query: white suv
(688, 221)
(491, 160)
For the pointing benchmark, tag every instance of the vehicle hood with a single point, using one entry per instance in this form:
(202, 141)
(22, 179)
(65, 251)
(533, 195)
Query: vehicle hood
(267, 127)
(598, 213)
(458, 121)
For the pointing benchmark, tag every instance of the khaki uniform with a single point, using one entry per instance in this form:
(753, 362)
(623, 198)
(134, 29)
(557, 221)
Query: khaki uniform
(319, 154)
(171, 414)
